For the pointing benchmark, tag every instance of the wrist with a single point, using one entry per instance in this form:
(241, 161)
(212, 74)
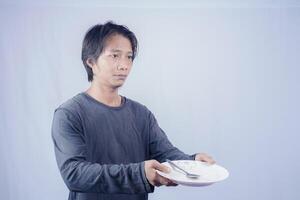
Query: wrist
(148, 186)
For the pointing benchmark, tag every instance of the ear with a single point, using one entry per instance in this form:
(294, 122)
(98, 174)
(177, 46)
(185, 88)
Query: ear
(90, 62)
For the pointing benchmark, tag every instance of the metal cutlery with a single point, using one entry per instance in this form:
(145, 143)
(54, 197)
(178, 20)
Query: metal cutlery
(177, 168)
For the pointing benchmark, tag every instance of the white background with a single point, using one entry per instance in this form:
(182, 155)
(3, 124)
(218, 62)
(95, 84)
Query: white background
(222, 77)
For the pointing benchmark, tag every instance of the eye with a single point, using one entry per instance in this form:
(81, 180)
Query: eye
(130, 57)
(115, 55)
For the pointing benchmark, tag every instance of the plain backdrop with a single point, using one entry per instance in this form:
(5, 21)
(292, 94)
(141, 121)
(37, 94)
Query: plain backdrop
(222, 77)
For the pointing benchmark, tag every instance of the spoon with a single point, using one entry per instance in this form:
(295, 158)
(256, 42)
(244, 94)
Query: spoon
(176, 167)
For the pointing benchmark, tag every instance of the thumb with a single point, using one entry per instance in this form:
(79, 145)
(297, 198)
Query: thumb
(161, 167)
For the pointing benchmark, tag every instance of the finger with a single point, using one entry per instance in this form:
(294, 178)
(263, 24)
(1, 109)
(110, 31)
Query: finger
(171, 183)
(157, 183)
(161, 167)
(159, 180)
(205, 158)
(209, 160)
(212, 161)
(164, 181)
(200, 156)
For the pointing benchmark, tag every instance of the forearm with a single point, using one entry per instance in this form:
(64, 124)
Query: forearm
(172, 153)
(84, 176)
(176, 154)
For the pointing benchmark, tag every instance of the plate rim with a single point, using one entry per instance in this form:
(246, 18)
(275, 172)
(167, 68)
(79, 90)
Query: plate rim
(191, 183)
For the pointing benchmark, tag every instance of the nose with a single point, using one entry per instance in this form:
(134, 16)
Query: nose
(122, 67)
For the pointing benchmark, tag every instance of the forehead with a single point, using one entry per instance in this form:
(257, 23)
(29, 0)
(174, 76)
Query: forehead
(117, 42)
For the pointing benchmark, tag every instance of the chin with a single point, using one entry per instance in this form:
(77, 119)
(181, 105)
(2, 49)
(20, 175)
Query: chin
(116, 86)
(119, 83)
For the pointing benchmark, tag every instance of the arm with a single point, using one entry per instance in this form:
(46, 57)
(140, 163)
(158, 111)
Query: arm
(83, 176)
(160, 147)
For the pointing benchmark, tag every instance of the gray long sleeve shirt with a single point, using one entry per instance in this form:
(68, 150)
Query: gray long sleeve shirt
(100, 150)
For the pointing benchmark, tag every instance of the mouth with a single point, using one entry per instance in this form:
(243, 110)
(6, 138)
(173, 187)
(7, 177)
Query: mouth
(120, 76)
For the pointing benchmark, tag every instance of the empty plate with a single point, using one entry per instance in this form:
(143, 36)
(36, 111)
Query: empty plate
(209, 174)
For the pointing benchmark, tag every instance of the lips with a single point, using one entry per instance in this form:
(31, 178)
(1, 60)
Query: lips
(120, 76)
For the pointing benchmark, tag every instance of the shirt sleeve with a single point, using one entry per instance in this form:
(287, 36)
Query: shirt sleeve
(83, 176)
(160, 146)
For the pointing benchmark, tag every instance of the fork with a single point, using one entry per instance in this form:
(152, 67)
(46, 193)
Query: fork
(176, 167)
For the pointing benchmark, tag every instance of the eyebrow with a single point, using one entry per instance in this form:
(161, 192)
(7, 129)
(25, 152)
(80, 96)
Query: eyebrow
(118, 51)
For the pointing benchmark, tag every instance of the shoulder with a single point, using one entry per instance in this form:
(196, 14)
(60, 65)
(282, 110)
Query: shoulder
(67, 117)
(71, 107)
(137, 107)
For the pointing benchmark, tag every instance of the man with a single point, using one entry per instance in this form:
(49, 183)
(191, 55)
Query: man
(108, 146)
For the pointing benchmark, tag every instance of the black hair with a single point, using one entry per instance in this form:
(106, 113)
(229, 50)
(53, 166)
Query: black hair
(95, 38)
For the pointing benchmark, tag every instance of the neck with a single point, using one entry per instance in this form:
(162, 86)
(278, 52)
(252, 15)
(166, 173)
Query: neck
(104, 94)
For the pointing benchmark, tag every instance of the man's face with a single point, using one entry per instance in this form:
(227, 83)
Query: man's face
(114, 63)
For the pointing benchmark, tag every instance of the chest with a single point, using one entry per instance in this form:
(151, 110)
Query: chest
(114, 138)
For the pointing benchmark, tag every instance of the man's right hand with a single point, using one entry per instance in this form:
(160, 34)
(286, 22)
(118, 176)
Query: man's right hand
(153, 177)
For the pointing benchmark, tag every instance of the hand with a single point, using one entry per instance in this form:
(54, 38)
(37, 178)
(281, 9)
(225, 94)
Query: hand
(205, 158)
(153, 177)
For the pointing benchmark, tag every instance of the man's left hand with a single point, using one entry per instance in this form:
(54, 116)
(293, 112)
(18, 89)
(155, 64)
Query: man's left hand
(205, 158)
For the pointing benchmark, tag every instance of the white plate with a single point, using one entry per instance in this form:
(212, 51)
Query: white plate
(209, 174)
